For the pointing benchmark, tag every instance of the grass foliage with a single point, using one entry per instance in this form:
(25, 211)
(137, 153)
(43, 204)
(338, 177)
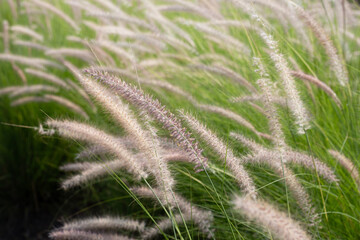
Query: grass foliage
(32, 205)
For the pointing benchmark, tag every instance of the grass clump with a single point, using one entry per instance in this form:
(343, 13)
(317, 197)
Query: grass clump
(264, 145)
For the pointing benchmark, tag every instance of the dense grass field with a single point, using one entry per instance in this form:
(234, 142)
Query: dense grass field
(107, 106)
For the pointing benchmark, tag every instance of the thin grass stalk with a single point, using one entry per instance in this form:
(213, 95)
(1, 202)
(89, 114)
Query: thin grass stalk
(214, 34)
(200, 217)
(169, 26)
(128, 57)
(164, 225)
(292, 19)
(226, 73)
(236, 117)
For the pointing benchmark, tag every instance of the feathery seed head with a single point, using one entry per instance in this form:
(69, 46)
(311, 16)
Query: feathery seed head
(268, 217)
(89, 134)
(156, 110)
(348, 165)
(225, 153)
(295, 103)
